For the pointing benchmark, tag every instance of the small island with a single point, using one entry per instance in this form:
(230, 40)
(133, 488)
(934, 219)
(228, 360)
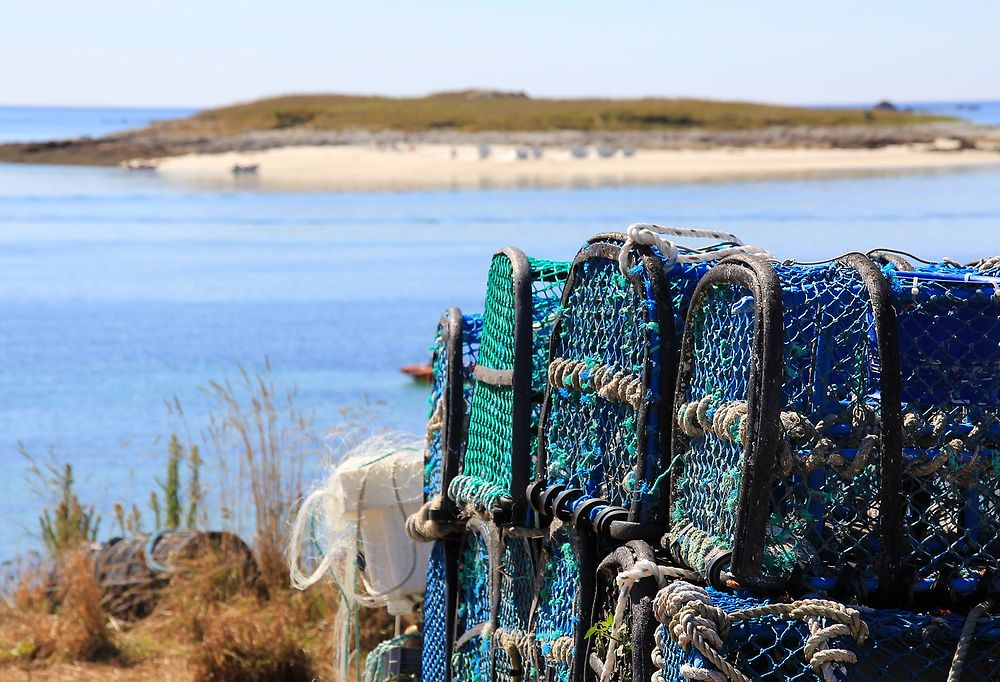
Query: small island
(477, 138)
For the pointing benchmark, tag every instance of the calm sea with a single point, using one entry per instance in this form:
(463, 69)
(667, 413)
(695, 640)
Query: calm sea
(118, 291)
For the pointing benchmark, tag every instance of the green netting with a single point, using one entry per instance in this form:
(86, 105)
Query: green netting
(487, 465)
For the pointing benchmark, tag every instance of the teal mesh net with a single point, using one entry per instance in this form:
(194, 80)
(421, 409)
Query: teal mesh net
(487, 465)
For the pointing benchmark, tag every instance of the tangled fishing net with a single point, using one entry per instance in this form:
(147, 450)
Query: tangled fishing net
(351, 531)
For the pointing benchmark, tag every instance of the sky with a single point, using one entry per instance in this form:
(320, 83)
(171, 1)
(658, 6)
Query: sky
(199, 53)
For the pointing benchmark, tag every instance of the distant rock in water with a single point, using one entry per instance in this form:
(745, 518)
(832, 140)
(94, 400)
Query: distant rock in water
(885, 105)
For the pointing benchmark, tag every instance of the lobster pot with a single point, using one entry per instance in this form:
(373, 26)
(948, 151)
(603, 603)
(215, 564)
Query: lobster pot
(632, 633)
(514, 659)
(454, 353)
(475, 607)
(453, 356)
(522, 297)
(949, 363)
(816, 640)
(785, 459)
(133, 571)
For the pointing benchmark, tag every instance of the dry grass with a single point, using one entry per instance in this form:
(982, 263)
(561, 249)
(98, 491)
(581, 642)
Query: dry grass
(219, 617)
(468, 113)
(212, 623)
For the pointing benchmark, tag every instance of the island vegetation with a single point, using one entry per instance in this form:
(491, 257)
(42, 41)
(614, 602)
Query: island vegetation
(493, 117)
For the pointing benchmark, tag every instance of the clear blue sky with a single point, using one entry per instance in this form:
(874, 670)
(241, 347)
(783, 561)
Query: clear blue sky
(208, 52)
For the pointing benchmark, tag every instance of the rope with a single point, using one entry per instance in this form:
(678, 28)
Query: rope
(561, 650)
(728, 422)
(436, 421)
(476, 495)
(420, 528)
(600, 379)
(518, 647)
(965, 640)
(376, 659)
(625, 580)
(650, 235)
(692, 619)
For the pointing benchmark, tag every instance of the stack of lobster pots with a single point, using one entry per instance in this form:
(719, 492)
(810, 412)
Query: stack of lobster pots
(666, 462)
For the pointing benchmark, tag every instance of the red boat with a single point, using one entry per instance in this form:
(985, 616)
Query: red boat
(421, 373)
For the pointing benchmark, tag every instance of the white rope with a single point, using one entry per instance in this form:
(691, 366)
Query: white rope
(692, 619)
(648, 234)
(625, 581)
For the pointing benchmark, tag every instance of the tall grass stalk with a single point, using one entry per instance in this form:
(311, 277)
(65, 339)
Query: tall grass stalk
(260, 434)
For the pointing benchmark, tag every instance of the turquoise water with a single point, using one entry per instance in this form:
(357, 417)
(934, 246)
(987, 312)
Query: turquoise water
(118, 291)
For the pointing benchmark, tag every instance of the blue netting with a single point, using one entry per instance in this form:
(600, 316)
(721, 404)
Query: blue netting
(471, 328)
(610, 325)
(517, 573)
(949, 341)
(435, 631)
(824, 497)
(900, 646)
(471, 658)
(557, 614)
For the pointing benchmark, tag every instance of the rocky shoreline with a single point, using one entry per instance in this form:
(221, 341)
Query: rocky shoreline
(159, 141)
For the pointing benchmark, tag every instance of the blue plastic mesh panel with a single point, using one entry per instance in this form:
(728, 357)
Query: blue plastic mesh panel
(949, 338)
(471, 660)
(900, 646)
(516, 574)
(822, 516)
(557, 602)
(435, 635)
(471, 328)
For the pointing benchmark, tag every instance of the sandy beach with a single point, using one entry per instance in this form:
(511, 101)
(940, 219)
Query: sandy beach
(426, 166)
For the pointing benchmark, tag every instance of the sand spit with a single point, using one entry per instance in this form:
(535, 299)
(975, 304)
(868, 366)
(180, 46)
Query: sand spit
(434, 166)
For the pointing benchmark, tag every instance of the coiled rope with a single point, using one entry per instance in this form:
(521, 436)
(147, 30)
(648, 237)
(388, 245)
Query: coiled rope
(728, 422)
(692, 620)
(421, 528)
(600, 379)
(648, 234)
